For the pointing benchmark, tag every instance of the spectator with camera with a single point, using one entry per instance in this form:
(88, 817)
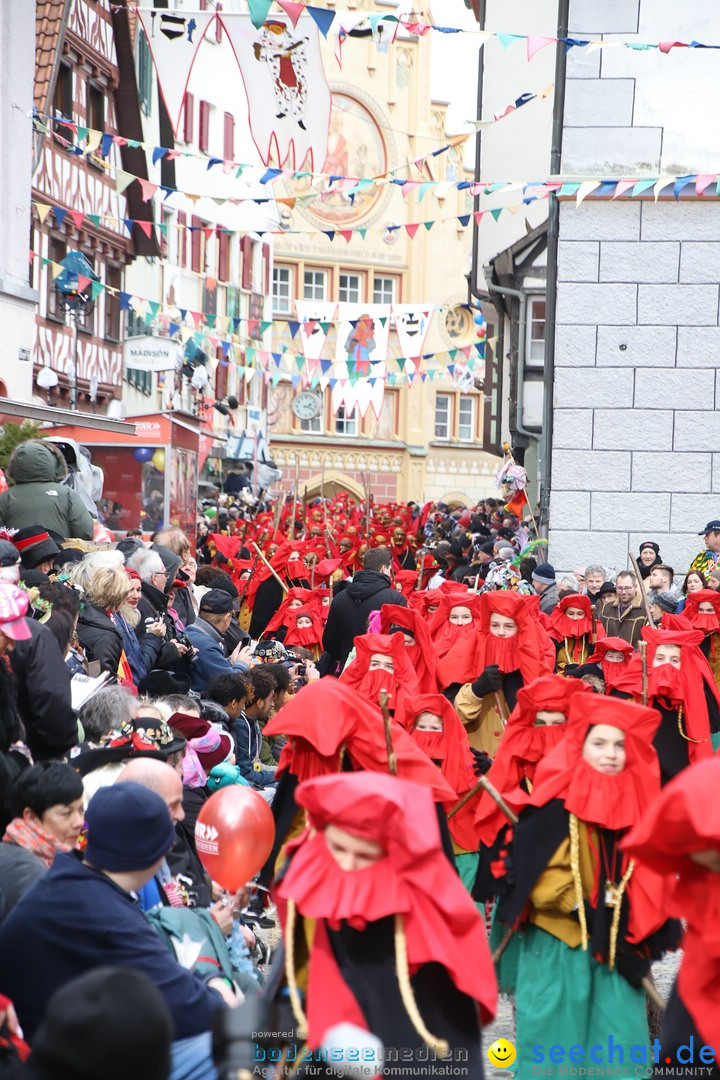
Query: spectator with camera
(207, 636)
(156, 581)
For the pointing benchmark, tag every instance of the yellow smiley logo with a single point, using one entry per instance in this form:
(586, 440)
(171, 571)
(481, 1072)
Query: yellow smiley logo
(501, 1053)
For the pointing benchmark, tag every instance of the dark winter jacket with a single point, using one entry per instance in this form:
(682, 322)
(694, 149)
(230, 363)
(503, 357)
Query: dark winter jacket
(39, 496)
(19, 869)
(75, 919)
(211, 658)
(99, 637)
(141, 653)
(153, 605)
(43, 693)
(349, 611)
(248, 741)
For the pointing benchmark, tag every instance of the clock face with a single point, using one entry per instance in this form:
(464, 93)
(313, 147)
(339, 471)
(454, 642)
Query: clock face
(306, 406)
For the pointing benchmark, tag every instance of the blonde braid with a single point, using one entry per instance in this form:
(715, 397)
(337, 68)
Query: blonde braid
(577, 878)
(615, 925)
(298, 1012)
(406, 992)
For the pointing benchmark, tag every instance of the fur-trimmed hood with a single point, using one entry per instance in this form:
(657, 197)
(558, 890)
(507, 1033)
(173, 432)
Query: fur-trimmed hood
(36, 462)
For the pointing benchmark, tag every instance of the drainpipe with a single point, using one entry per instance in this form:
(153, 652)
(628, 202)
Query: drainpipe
(552, 252)
(521, 297)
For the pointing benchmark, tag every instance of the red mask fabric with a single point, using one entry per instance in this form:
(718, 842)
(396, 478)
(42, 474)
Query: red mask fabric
(683, 819)
(373, 683)
(307, 598)
(565, 627)
(442, 924)
(665, 681)
(404, 679)
(612, 671)
(306, 636)
(708, 621)
(431, 743)
(420, 655)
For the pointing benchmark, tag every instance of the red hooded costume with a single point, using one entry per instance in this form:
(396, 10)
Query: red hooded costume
(444, 633)
(306, 598)
(576, 635)
(412, 880)
(308, 637)
(401, 684)
(685, 819)
(612, 671)
(421, 653)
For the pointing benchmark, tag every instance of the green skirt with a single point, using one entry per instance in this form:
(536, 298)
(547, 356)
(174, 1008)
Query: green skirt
(506, 967)
(566, 999)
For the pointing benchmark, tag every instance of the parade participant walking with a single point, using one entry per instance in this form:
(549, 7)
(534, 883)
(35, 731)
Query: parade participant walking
(418, 643)
(573, 631)
(367, 592)
(702, 610)
(611, 658)
(457, 616)
(382, 664)
(483, 671)
(398, 948)
(590, 920)
(681, 687)
(679, 837)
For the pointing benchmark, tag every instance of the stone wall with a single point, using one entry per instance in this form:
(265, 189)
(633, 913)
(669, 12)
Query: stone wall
(636, 440)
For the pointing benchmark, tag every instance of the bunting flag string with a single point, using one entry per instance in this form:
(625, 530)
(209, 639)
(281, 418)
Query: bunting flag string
(366, 23)
(98, 145)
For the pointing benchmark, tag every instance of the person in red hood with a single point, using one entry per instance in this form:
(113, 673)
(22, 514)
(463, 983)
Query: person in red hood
(679, 836)
(305, 628)
(682, 689)
(702, 610)
(398, 948)
(612, 656)
(294, 598)
(573, 632)
(484, 670)
(382, 663)
(438, 731)
(457, 616)
(590, 916)
(418, 644)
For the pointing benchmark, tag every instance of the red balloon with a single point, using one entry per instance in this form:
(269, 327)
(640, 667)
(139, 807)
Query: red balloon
(234, 835)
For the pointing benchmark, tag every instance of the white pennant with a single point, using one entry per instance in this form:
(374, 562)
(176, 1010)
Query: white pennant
(174, 40)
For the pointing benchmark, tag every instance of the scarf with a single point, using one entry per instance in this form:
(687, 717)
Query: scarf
(32, 837)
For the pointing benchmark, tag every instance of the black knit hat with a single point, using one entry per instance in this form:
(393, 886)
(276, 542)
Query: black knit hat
(110, 1022)
(649, 544)
(35, 546)
(128, 828)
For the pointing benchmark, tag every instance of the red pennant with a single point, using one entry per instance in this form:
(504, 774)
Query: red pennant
(292, 10)
(78, 217)
(146, 227)
(412, 229)
(82, 283)
(346, 233)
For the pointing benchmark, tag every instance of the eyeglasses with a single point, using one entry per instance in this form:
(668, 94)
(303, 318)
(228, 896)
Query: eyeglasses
(162, 573)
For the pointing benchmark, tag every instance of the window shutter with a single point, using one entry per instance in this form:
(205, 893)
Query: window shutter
(266, 267)
(189, 130)
(246, 249)
(196, 245)
(204, 137)
(223, 255)
(229, 137)
(182, 238)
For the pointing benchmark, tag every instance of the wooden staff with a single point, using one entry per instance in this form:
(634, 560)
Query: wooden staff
(506, 939)
(642, 649)
(385, 710)
(253, 568)
(507, 450)
(484, 784)
(418, 583)
(278, 515)
(476, 586)
(500, 706)
(651, 990)
(291, 535)
(593, 616)
(279, 580)
(646, 605)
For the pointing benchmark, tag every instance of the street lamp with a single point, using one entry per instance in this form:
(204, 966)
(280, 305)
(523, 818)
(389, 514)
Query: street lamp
(74, 289)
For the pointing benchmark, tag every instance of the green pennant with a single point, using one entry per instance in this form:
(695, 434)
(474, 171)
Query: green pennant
(276, 377)
(82, 134)
(401, 362)
(428, 225)
(265, 326)
(95, 219)
(154, 308)
(325, 327)
(382, 320)
(361, 232)
(300, 361)
(497, 212)
(452, 353)
(259, 11)
(96, 288)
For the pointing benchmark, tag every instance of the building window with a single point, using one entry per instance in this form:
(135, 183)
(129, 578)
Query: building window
(204, 126)
(282, 289)
(63, 100)
(442, 416)
(466, 418)
(350, 290)
(345, 424)
(95, 107)
(113, 280)
(141, 380)
(315, 285)
(228, 136)
(384, 290)
(145, 73)
(57, 250)
(535, 354)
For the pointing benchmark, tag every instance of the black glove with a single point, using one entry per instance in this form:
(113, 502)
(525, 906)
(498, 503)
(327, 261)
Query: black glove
(482, 761)
(631, 965)
(488, 682)
(220, 559)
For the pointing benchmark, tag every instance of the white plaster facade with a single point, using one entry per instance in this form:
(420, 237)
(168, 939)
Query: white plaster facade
(17, 299)
(636, 407)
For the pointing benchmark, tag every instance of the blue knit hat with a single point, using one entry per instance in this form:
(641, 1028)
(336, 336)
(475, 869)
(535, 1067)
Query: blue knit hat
(544, 573)
(128, 828)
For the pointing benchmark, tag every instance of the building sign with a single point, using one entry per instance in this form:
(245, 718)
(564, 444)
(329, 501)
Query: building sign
(151, 354)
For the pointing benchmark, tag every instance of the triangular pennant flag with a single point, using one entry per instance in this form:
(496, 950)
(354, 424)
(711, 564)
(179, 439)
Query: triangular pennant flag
(148, 189)
(622, 186)
(96, 288)
(586, 189)
(146, 227)
(78, 217)
(506, 40)
(535, 43)
(412, 229)
(703, 181)
(82, 283)
(642, 186)
(174, 38)
(43, 209)
(322, 18)
(122, 180)
(497, 212)
(60, 215)
(292, 10)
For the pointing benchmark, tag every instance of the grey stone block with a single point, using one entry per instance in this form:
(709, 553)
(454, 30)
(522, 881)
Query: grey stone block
(671, 472)
(575, 387)
(604, 151)
(572, 428)
(634, 510)
(681, 305)
(698, 346)
(609, 17)
(633, 429)
(615, 305)
(570, 548)
(578, 260)
(685, 220)
(691, 512)
(575, 346)
(663, 389)
(599, 103)
(651, 262)
(591, 470)
(696, 430)
(700, 262)
(572, 507)
(636, 346)
(600, 221)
